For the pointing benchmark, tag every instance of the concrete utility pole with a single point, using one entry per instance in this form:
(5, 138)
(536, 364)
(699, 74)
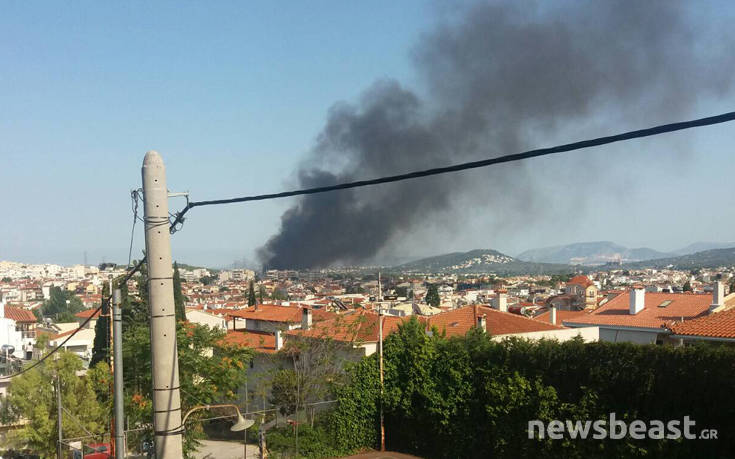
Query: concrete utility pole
(167, 428)
(118, 375)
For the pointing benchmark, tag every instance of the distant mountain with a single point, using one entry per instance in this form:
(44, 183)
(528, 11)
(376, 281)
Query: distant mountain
(705, 259)
(481, 261)
(590, 254)
(702, 246)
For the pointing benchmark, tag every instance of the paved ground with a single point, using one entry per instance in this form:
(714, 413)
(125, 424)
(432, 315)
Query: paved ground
(382, 455)
(213, 449)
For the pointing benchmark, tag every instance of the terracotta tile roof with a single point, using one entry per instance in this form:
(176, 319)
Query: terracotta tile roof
(561, 316)
(458, 322)
(61, 335)
(259, 341)
(582, 280)
(616, 312)
(273, 313)
(87, 313)
(19, 314)
(717, 325)
(359, 326)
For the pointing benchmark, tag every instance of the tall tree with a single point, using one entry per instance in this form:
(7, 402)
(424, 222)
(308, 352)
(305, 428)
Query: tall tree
(32, 397)
(261, 293)
(432, 296)
(101, 346)
(178, 296)
(687, 286)
(251, 294)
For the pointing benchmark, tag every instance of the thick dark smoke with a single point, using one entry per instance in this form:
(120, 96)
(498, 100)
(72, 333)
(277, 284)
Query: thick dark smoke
(497, 79)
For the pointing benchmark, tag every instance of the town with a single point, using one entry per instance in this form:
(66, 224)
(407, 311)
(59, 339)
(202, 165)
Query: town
(349, 230)
(647, 306)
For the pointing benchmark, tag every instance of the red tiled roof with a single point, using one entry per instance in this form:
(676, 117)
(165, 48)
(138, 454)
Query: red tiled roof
(260, 341)
(617, 310)
(87, 313)
(359, 326)
(458, 322)
(273, 313)
(717, 325)
(19, 314)
(582, 280)
(561, 316)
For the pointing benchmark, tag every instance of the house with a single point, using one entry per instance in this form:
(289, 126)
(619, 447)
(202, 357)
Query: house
(358, 329)
(263, 332)
(17, 330)
(205, 318)
(643, 317)
(81, 343)
(579, 293)
(91, 314)
(269, 317)
(718, 325)
(500, 324)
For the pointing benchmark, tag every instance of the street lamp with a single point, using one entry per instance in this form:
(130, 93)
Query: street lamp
(239, 426)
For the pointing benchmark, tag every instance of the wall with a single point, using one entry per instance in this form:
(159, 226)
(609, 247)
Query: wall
(588, 334)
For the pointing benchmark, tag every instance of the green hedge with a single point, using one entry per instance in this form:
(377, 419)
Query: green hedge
(471, 397)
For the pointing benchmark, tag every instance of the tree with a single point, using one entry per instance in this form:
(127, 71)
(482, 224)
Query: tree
(32, 396)
(285, 392)
(687, 286)
(432, 296)
(179, 299)
(62, 305)
(101, 345)
(251, 294)
(261, 293)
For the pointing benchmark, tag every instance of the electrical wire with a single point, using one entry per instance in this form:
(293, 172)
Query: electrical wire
(656, 130)
(59, 346)
(134, 196)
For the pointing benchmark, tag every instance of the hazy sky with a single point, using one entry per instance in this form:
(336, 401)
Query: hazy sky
(234, 94)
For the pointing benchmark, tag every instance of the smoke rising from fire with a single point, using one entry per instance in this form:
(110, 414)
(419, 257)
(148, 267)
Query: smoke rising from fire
(497, 78)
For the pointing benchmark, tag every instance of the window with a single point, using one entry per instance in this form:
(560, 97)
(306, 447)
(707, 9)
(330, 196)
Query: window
(665, 303)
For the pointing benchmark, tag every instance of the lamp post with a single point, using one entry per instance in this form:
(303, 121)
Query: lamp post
(240, 425)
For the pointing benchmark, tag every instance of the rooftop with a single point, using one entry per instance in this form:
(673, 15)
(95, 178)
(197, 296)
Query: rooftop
(19, 315)
(717, 325)
(458, 322)
(661, 309)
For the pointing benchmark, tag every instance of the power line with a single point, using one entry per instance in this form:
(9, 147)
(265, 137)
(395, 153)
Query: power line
(99, 308)
(656, 130)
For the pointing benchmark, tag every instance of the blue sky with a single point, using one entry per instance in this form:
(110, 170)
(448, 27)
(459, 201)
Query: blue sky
(232, 94)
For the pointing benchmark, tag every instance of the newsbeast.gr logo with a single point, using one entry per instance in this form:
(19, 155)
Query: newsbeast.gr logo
(616, 429)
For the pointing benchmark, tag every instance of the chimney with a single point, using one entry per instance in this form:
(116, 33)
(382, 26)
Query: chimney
(482, 322)
(2, 309)
(305, 318)
(279, 340)
(552, 315)
(501, 300)
(718, 293)
(637, 299)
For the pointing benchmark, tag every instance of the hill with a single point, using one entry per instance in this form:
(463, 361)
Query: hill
(704, 259)
(481, 261)
(590, 254)
(702, 246)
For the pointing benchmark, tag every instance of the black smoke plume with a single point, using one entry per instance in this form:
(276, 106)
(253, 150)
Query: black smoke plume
(498, 78)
